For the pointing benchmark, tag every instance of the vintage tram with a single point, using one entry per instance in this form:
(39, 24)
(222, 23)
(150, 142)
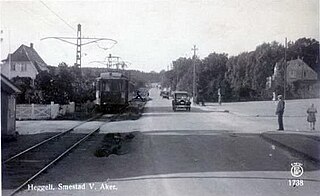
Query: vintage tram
(113, 91)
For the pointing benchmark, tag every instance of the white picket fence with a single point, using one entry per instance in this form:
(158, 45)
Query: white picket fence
(37, 111)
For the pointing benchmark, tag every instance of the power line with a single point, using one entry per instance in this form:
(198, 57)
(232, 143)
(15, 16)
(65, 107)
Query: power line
(31, 12)
(57, 15)
(80, 41)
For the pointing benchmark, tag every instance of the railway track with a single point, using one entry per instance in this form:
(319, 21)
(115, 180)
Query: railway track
(19, 170)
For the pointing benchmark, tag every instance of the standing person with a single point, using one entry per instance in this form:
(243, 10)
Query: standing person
(279, 112)
(219, 96)
(273, 96)
(312, 116)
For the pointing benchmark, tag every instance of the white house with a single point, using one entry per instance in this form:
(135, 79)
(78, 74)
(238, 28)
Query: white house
(24, 62)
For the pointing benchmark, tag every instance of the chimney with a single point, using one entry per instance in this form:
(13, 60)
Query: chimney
(31, 45)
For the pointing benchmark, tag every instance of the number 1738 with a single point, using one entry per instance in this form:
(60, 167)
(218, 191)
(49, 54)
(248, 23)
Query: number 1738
(295, 183)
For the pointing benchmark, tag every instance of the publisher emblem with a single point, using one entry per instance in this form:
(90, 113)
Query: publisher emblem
(296, 169)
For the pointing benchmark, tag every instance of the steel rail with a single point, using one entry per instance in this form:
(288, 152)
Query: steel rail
(66, 151)
(49, 139)
(54, 161)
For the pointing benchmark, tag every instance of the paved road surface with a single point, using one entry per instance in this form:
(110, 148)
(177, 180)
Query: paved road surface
(185, 153)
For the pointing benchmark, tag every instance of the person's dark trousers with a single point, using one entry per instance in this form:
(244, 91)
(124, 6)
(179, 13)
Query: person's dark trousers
(280, 121)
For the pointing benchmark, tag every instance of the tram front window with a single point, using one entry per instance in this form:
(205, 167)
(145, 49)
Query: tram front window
(106, 87)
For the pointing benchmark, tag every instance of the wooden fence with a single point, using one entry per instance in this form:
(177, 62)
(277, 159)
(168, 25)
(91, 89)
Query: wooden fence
(36, 111)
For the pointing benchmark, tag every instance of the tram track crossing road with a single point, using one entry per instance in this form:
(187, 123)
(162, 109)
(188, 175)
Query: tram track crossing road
(23, 167)
(55, 136)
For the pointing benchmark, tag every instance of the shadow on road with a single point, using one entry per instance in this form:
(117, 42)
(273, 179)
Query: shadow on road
(177, 152)
(167, 109)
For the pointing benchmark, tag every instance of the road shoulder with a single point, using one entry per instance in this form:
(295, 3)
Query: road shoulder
(305, 143)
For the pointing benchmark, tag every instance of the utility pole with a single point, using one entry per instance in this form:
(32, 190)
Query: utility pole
(79, 43)
(118, 63)
(78, 53)
(110, 61)
(194, 88)
(285, 70)
(9, 55)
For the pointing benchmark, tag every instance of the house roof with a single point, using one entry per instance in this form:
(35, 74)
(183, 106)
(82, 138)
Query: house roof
(299, 64)
(25, 53)
(8, 86)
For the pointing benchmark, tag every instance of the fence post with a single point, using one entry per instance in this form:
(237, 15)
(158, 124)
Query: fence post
(32, 111)
(51, 109)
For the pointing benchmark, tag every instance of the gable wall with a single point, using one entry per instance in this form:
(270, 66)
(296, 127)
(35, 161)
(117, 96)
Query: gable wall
(30, 71)
(300, 71)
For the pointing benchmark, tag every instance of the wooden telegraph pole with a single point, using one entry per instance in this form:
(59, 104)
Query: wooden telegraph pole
(285, 70)
(194, 88)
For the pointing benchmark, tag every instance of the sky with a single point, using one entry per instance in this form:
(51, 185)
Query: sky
(152, 34)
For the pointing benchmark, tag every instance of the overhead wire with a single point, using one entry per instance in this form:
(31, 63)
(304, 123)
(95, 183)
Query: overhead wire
(106, 48)
(31, 12)
(65, 22)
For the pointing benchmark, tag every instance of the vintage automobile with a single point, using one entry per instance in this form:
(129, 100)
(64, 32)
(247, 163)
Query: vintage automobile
(164, 94)
(181, 99)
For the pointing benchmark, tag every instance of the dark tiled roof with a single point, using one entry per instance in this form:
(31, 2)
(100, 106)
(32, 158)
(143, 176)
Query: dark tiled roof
(299, 64)
(25, 53)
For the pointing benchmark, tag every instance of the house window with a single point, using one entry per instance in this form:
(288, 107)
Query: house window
(13, 67)
(24, 67)
(304, 74)
(291, 73)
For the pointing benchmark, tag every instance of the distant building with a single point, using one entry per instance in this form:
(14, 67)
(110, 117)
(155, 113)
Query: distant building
(276, 74)
(269, 82)
(276, 71)
(298, 70)
(24, 62)
(302, 80)
(8, 108)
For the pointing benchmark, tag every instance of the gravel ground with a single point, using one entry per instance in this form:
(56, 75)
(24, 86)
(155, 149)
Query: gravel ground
(297, 107)
(171, 164)
(42, 126)
(202, 152)
(263, 114)
(8, 149)
(208, 149)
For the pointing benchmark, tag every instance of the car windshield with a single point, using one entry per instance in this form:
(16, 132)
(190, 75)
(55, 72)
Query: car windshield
(181, 96)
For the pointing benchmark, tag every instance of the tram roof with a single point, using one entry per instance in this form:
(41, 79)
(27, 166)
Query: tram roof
(112, 75)
(181, 92)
